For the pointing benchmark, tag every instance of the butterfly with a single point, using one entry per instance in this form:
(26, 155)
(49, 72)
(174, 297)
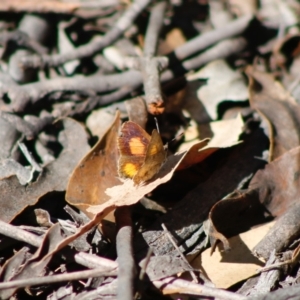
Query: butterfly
(141, 155)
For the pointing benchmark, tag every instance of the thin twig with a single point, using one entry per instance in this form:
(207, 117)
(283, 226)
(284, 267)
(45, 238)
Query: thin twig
(145, 264)
(223, 49)
(210, 38)
(22, 39)
(171, 238)
(56, 278)
(151, 66)
(172, 285)
(19, 234)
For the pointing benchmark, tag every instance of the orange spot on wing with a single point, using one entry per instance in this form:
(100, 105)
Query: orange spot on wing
(130, 170)
(136, 146)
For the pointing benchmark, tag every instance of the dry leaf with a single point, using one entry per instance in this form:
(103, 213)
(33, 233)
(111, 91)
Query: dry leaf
(223, 133)
(96, 172)
(278, 183)
(227, 268)
(223, 84)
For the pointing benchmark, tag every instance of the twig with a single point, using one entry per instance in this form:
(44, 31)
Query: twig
(21, 96)
(22, 39)
(281, 234)
(31, 93)
(145, 264)
(223, 49)
(112, 35)
(210, 38)
(173, 285)
(37, 27)
(93, 261)
(107, 289)
(34, 164)
(266, 281)
(127, 270)
(56, 278)
(179, 252)
(21, 125)
(291, 262)
(19, 234)
(151, 66)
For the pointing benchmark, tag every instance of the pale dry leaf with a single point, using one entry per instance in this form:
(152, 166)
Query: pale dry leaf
(223, 84)
(223, 133)
(227, 268)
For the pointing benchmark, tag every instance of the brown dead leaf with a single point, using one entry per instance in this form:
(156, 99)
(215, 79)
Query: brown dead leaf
(96, 172)
(12, 265)
(87, 191)
(15, 197)
(278, 108)
(233, 215)
(278, 183)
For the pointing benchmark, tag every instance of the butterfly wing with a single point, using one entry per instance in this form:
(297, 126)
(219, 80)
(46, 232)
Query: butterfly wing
(154, 158)
(133, 144)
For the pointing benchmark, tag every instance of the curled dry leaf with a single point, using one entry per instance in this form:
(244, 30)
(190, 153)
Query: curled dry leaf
(233, 215)
(278, 108)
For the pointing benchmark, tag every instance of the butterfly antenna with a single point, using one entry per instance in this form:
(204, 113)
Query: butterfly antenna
(156, 123)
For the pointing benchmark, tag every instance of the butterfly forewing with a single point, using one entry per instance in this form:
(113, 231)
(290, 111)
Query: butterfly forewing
(133, 144)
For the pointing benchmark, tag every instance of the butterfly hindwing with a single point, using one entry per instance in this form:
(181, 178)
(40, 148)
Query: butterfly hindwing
(154, 159)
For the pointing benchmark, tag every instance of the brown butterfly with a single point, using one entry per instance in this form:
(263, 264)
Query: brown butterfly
(141, 155)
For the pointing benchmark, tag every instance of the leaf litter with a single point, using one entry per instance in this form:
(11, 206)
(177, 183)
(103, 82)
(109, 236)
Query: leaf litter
(225, 104)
